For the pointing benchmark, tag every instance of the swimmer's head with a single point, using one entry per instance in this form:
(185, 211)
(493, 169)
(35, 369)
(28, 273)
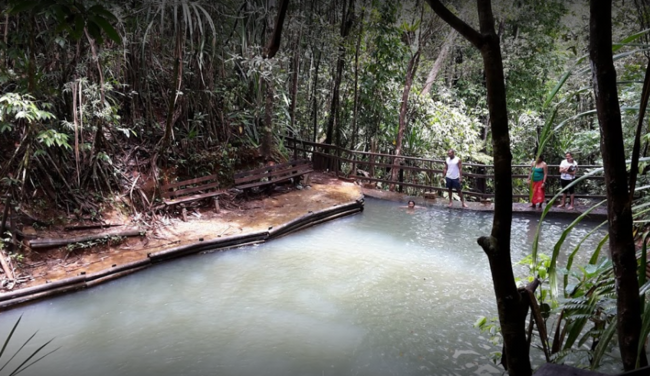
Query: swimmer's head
(411, 204)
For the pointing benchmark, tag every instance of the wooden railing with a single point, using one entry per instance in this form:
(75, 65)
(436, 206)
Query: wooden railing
(422, 174)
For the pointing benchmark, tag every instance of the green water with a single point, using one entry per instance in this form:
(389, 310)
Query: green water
(386, 292)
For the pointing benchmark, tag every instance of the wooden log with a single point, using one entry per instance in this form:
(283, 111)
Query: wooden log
(311, 217)
(46, 243)
(214, 244)
(90, 227)
(114, 275)
(138, 264)
(318, 221)
(41, 288)
(41, 295)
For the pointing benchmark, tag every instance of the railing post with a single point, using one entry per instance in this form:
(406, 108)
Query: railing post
(480, 181)
(373, 149)
(401, 178)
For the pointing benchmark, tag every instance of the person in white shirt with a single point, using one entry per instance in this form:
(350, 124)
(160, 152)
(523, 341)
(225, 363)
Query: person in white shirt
(568, 169)
(453, 176)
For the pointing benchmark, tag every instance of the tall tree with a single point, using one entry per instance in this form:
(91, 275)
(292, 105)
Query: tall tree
(437, 65)
(619, 203)
(511, 304)
(408, 82)
(346, 26)
(270, 50)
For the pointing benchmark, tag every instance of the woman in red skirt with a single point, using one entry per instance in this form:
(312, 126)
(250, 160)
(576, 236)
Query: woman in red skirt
(538, 174)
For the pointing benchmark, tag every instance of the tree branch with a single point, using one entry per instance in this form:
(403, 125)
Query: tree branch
(488, 245)
(459, 25)
(274, 42)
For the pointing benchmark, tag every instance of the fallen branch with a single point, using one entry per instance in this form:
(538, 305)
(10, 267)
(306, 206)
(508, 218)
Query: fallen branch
(89, 227)
(45, 243)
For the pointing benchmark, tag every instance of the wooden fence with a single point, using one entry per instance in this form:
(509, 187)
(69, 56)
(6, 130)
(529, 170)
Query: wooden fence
(422, 174)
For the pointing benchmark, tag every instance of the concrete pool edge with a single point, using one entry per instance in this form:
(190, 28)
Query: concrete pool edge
(519, 208)
(12, 299)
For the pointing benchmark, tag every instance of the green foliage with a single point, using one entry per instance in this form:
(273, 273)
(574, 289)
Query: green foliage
(15, 107)
(51, 137)
(72, 17)
(491, 328)
(106, 240)
(430, 134)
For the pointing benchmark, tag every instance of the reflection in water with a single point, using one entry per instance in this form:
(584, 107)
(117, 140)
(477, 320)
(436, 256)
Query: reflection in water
(387, 292)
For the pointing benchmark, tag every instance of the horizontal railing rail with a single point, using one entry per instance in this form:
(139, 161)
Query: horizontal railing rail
(423, 174)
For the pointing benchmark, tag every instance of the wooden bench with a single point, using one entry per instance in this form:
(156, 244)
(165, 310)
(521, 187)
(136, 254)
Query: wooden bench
(270, 175)
(192, 190)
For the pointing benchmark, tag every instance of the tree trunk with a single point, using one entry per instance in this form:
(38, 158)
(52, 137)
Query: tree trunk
(31, 64)
(267, 132)
(442, 56)
(294, 85)
(178, 61)
(315, 96)
(512, 305)
(3, 55)
(273, 44)
(410, 73)
(355, 108)
(619, 211)
(346, 25)
(270, 50)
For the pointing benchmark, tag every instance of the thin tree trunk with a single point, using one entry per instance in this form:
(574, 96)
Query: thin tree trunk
(273, 44)
(410, 73)
(634, 165)
(315, 97)
(167, 136)
(437, 65)
(355, 109)
(3, 62)
(267, 132)
(346, 25)
(272, 47)
(512, 305)
(100, 130)
(294, 83)
(619, 211)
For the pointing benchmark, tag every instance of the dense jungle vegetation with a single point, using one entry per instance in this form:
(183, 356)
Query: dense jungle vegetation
(102, 102)
(108, 97)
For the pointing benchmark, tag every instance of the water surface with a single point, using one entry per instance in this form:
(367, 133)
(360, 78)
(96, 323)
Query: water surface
(386, 292)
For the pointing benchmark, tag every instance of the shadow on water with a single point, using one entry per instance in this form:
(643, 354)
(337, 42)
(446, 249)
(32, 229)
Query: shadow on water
(386, 292)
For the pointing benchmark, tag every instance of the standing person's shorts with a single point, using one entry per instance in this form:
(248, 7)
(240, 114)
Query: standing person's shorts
(564, 183)
(452, 183)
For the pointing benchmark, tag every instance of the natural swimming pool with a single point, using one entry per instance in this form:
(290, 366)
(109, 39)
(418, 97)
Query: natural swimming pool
(386, 292)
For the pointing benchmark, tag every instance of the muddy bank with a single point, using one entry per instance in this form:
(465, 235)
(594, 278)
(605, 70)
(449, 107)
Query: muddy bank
(260, 218)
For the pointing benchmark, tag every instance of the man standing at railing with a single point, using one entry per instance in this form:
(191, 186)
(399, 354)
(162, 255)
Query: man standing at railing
(568, 169)
(453, 176)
